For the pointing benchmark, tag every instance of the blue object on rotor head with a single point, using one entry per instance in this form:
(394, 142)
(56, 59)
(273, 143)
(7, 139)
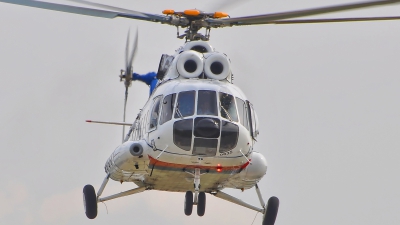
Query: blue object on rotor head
(149, 79)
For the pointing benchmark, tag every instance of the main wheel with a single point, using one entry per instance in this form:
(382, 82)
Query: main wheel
(272, 211)
(188, 203)
(201, 204)
(90, 201)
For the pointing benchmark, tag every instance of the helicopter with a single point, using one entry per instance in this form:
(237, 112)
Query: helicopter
(160, 154)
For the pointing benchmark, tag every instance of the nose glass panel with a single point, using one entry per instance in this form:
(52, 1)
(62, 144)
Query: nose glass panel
(205, 147)
(183, 134)
(206, 127)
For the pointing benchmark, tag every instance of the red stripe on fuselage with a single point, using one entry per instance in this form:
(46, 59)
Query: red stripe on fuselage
(157, 163)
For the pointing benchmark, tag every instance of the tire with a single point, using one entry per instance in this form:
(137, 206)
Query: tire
(90, 201)
(272, 211)
(201, 204)
(188, 207)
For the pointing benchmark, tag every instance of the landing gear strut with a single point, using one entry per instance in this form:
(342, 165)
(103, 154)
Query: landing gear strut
(269, 210)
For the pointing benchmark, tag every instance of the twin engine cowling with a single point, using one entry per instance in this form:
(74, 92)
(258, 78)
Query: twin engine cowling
(192, 64)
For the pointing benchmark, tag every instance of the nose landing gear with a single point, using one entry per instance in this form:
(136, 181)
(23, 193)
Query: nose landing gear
(199, 197)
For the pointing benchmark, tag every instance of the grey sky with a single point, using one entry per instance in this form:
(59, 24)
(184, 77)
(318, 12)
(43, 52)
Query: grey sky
(327, 97)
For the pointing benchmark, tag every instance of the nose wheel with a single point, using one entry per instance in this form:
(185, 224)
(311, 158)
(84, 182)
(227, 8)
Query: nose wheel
(199, 197)
(188, 203)
(201, 204)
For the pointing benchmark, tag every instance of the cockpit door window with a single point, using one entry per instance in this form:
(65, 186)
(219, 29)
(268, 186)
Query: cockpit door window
(207, 103)
(185, 104)
(228, 107)
(154, 113)
(167, 108)
(242, 108)
(253, 120)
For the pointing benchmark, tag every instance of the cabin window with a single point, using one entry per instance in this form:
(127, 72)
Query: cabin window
(185, 104)
(242, 108)
(229, 136)
(207, 103)
(205, 147)
(183, 134)
(228, 107)
(167, 108)
(155, 113)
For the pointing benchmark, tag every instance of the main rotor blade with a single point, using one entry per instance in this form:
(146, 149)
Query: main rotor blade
(87, 11)
(268, 18)
(113, 8)
(335, 20)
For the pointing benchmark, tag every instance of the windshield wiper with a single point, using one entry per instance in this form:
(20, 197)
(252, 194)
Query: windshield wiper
(226, 112)
(178, 112)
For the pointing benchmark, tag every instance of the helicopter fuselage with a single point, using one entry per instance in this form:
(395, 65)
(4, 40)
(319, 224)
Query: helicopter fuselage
(188, 124)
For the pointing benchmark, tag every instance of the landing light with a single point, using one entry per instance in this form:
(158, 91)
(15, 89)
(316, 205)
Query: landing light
(191, 12)
(219, 168)
(168, 11)
(220, 15)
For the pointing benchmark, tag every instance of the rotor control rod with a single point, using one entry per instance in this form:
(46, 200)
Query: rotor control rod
(122, 194)
(232, 199)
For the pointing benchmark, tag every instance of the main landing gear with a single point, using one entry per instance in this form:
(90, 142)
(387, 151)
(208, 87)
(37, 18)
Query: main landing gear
(90, 199)
(199, 197)
(269, 210)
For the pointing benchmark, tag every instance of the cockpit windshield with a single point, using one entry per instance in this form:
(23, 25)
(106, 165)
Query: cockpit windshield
(228, 107)
(212, 128)
(207, 103)
(185, 104)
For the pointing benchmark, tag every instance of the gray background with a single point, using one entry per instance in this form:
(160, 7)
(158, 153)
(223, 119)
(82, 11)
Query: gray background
(327, 96)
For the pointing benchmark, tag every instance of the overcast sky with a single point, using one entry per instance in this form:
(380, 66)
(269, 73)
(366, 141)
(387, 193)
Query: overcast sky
(327, 96)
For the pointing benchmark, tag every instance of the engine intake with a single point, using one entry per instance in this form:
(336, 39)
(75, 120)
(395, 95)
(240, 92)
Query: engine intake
(216, 66)
(190, 64)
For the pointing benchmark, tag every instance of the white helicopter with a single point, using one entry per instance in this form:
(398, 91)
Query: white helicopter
(197, 131)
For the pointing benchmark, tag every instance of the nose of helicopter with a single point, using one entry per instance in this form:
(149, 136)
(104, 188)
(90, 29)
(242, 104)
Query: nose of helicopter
(206, 127)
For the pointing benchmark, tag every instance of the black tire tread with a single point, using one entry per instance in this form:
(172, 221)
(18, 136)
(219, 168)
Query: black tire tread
(90, 201)
(188, 203)
(201, 204)
(272, 211)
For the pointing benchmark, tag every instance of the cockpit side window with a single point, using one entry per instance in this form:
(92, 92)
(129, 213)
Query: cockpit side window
(185, 104)
(242, 108)
(167, 108)
(207, 103)
(154, 113)
(254, 121)
(228, 107)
